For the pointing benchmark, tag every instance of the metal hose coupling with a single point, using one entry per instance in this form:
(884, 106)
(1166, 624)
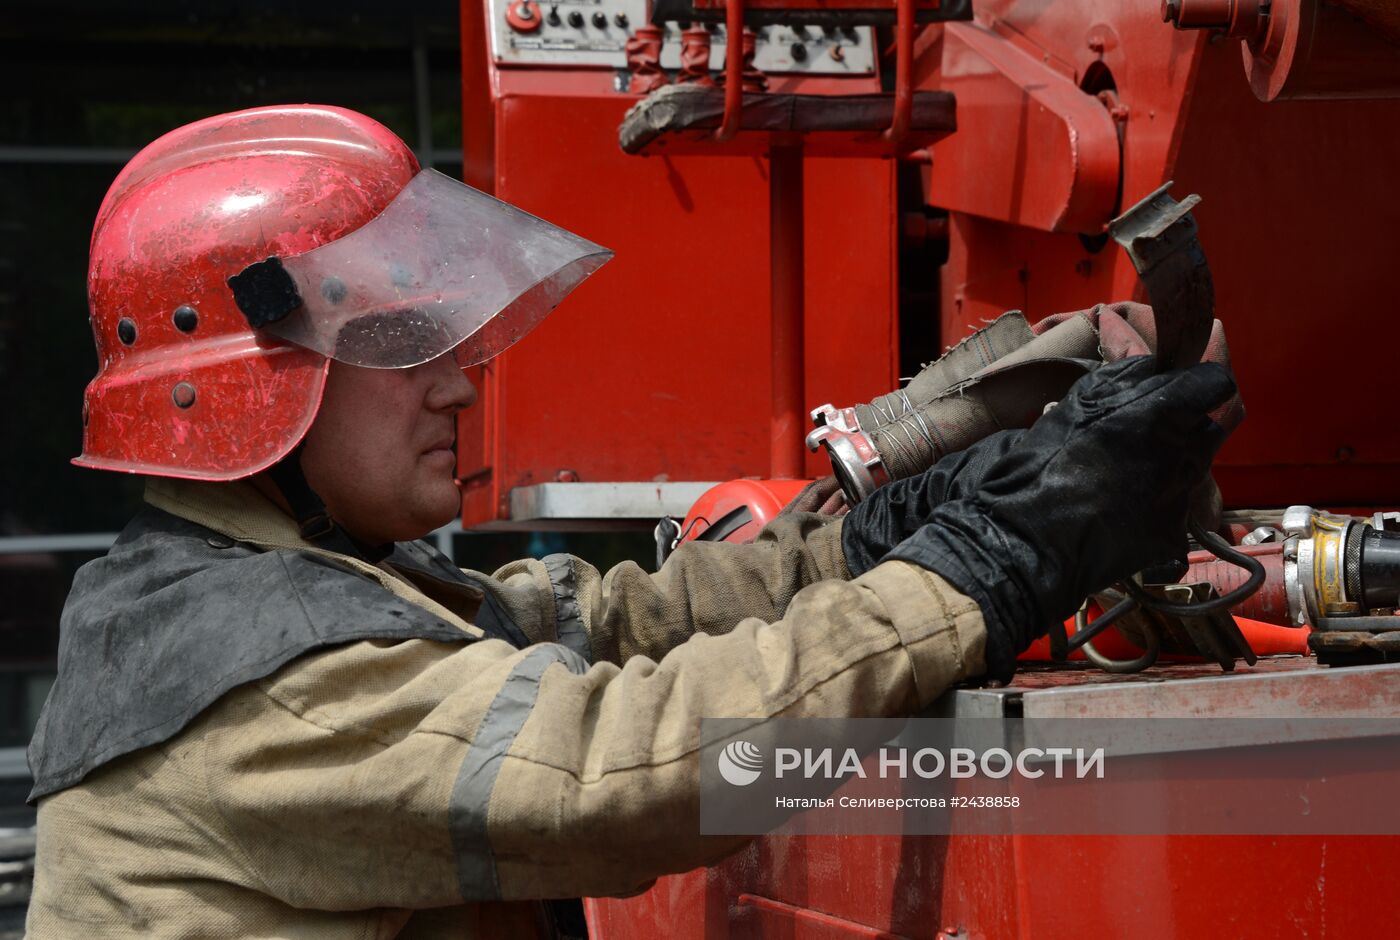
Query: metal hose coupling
(1338, 567)
(1342, 579)
(1002, 376)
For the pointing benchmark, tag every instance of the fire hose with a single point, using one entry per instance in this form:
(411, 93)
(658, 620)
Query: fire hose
(977, 388)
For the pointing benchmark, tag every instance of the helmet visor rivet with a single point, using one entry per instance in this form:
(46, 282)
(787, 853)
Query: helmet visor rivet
(186, 318)
(183, 394)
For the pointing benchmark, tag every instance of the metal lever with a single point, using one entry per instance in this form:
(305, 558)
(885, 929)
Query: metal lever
(1159, 235)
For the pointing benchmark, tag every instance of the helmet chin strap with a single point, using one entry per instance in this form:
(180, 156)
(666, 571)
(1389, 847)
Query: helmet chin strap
(313, 519)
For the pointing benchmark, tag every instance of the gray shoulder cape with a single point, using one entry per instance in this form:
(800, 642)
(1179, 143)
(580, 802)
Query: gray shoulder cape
(176, 614)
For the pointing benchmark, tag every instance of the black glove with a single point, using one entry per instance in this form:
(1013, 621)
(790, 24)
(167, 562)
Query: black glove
(897, 510)
(1096, 490)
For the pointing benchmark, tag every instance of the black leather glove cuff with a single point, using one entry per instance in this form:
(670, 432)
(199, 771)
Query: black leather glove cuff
(896, 511)
(964, 548)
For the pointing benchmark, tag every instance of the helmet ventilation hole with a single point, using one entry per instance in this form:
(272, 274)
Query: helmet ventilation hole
(186, 318)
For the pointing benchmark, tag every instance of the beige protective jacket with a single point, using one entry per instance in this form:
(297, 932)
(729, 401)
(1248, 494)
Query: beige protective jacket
(421, 789)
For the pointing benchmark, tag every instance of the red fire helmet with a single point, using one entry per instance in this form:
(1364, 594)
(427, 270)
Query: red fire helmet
(233, 257)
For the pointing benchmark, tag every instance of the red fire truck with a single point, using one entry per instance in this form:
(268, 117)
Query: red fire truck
(810, 197)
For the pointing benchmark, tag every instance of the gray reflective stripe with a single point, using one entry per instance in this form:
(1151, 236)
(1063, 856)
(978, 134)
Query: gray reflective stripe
(476, 778)
(568, 616)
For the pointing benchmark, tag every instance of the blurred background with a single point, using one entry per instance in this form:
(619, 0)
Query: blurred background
(87, 85)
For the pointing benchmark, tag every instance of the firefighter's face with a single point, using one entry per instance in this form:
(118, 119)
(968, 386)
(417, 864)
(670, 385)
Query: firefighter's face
(381, 453)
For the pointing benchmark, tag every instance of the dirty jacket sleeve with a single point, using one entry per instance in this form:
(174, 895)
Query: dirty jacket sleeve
(704, 587)
(418, 774)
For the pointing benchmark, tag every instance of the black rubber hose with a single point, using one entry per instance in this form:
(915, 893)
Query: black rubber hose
(1225, 552)
(1380, 569)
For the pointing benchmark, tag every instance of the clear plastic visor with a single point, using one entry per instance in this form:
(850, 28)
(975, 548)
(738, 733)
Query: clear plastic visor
(444, 267)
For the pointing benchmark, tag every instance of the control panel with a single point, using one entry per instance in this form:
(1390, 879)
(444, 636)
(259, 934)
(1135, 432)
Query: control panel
(594, 33)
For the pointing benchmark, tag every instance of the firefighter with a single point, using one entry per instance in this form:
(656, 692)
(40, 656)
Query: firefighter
(277, 714)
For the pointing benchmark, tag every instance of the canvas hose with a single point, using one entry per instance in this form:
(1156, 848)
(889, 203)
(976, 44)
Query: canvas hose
(1005, 376)
(969, 397)
(1006, 333)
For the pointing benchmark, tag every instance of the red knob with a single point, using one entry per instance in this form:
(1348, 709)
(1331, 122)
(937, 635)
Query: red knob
(523, 16)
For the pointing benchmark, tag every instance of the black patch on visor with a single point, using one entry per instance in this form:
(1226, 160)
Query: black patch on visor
(265, 292)
(409, 331)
